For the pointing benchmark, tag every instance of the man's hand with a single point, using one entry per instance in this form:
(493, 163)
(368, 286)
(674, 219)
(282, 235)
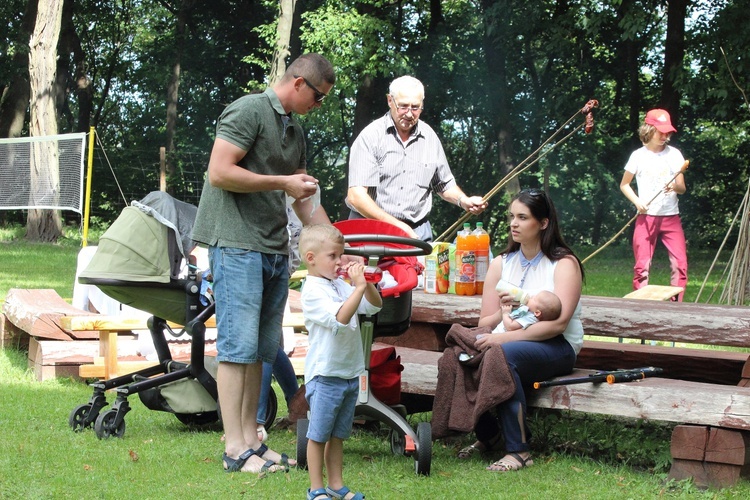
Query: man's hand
(300, 186)
(473, 204)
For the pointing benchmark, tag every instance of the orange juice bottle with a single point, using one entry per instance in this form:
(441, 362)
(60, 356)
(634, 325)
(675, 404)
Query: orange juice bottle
(482, 256)
(465, 261)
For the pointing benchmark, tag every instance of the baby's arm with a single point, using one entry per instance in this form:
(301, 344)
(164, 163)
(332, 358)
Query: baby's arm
(508, 322)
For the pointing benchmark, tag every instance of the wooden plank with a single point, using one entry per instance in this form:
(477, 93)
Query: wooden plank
(11, 335)
(38, 312)
(99, 370)
(699, 365)
(655, 292)
(651, 399)
(55, 358)
(102, 323)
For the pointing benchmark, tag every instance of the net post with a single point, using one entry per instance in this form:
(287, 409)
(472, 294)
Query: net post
(87, 202)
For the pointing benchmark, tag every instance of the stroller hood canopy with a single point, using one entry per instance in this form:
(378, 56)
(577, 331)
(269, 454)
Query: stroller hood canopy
(137, 246)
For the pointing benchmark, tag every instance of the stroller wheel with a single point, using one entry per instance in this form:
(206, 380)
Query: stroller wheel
(397, 442)
(105, 425)
(78, 419)
(207, 417)
(423, 457)
(302, 425)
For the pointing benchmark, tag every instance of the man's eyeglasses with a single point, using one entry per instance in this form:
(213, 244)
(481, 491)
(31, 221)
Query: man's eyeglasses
(319, 96)
(403, 108)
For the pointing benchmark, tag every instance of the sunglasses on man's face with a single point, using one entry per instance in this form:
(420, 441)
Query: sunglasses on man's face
(319, 96)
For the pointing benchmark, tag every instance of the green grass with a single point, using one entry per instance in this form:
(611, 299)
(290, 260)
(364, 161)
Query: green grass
(576, 456)
(158, 457)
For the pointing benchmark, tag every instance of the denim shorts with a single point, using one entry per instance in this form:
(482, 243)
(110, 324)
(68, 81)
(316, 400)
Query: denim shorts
(250, 289)
(332, 402)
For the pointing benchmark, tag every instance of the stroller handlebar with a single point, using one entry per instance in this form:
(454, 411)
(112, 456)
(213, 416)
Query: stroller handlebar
(377, 246)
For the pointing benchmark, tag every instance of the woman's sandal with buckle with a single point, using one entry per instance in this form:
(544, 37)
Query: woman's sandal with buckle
(505, 465)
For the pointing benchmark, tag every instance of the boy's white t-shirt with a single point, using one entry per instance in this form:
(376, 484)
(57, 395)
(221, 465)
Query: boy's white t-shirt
(335, 349)
(652, 171)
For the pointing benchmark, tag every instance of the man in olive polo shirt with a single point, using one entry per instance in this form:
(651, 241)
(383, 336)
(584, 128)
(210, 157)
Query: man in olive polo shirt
(257, 158)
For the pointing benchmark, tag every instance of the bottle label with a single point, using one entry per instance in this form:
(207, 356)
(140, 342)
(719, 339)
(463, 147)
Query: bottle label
(483, 264)
(430, 274)
(465, 266)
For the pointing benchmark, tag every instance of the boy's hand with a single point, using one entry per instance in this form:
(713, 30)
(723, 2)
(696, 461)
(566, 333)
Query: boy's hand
(356, 271)
(506, 308)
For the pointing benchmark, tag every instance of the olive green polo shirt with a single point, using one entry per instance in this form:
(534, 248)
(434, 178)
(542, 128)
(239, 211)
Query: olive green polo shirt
(253, 221)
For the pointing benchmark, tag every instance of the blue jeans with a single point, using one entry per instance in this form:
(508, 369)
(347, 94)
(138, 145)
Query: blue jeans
(529, 362)
(283, 370)
(250, 289)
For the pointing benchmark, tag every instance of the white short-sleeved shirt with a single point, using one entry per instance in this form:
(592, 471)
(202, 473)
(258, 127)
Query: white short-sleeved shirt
(536, 278)
(336, 349)
(652, 171)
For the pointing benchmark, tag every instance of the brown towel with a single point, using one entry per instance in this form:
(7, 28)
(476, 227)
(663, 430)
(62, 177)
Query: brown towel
(467, 390)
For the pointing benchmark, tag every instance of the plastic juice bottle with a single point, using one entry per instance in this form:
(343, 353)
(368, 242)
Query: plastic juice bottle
(373, 274)
(482, 255)
(465, 261)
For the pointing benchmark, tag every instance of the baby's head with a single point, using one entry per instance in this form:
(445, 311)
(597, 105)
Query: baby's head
(545, 305)
(321, 247)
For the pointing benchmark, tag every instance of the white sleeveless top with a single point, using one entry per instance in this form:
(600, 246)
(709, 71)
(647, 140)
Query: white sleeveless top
(537, 277)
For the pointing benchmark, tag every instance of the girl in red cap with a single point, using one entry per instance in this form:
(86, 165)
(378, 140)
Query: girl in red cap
(653, 166)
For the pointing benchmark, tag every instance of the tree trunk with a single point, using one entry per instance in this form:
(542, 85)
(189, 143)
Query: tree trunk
(44, 225)
(173, 88)
(15, 99)
(495, 56)
(674, 54)
(283, 36)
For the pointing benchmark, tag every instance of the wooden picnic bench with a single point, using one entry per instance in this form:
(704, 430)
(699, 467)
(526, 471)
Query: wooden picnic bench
(703, 389)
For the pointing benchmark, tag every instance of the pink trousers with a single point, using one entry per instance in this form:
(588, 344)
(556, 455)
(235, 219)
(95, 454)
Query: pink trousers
(648, 230)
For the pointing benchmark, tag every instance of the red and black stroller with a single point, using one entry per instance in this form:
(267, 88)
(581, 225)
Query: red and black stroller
(143, 260)
(389, 248)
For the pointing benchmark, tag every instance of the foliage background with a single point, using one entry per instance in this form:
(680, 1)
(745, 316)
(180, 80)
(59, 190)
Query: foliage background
(500, 77)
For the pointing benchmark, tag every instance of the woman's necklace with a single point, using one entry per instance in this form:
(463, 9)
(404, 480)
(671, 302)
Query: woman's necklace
(527, 264)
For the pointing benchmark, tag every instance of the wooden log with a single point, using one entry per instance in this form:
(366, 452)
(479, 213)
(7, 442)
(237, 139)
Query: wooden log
(615, 317)
(706, 474)
(666, 321)
(38, 313)
(689, 442)
(727, 446)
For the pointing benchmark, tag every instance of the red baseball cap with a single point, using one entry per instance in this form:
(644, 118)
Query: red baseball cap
(659, 118)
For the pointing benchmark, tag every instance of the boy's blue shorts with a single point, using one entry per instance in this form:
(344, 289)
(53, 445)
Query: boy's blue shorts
(332, 402)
